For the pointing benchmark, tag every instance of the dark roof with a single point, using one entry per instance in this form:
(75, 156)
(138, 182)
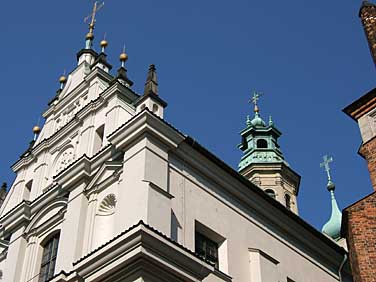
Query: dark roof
(153, 96)
(87, 51)
(357, 104)
(102, 58)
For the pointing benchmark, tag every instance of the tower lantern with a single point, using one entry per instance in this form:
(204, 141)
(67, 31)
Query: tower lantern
(263, 162)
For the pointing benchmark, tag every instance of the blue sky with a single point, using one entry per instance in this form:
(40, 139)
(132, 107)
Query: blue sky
(310, 58)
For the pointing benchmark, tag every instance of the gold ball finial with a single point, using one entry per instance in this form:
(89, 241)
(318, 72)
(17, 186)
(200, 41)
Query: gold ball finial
(104, 43)
(123, 57)
(90, 36)
(36, 129)
(63, 79)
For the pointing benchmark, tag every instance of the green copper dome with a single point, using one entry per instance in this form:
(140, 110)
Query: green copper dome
(333, 227)
(257, 121)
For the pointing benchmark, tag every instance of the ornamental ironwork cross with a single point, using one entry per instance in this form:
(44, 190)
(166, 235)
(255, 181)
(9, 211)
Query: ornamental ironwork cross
(256, 96)
(325, 165)
(91, 17)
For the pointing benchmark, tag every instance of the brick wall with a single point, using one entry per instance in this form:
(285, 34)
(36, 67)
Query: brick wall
(368, 17)
(368, 151)
(361, 238)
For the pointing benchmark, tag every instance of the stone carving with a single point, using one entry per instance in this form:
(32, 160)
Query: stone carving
(65, 159)
(108, 205)
(68, 115)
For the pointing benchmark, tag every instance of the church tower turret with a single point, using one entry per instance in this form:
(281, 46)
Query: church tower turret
(367, 14)
(263, 162)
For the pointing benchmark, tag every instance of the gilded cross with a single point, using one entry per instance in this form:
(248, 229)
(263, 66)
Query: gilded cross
(325, 165)
(91, 17)
(254, 99)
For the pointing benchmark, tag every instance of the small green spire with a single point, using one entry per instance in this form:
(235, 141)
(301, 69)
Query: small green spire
(248, 122)
(271, 123)
(333, 227)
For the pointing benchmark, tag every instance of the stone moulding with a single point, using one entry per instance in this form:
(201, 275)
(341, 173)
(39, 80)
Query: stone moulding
(143, 252)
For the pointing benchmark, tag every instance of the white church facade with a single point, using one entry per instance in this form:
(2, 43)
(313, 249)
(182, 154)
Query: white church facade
(109, 191)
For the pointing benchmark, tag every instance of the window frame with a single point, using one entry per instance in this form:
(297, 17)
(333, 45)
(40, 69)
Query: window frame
(204, 247)
(49, 256)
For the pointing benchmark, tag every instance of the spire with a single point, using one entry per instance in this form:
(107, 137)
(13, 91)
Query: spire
(104, 44)
(36, 131)
(62, 81)
(91, 18)
(257, 120)
(151, 85)
(333, 227)
(122, 71)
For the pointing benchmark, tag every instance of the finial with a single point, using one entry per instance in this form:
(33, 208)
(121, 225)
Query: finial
(325, 165)
(91, 17)
(248, 122)
(271, 123)
(123, 57)
(104, 43)
(36, 131)
(62, 80)
(151, 85)
(256, 96)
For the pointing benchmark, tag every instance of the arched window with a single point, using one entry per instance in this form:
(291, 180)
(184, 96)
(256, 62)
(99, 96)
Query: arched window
(288, 201)
(47, 268)
(262, 143)
(270, 193)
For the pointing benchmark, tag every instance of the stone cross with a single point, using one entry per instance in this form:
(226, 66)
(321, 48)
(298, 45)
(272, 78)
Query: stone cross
(325, 165)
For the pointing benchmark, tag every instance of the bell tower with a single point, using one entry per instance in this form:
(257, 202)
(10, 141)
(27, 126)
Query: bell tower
(263, 162)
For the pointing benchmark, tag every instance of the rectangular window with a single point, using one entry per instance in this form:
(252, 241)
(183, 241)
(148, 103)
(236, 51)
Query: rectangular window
(207, 249)
(49, 259)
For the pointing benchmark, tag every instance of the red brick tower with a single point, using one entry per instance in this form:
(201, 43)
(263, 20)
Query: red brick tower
(359, 219)
(367, 14)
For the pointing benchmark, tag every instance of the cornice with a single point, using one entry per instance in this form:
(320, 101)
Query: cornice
(139, 244)
(361, 106)
(19, 216)
(144, 122)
